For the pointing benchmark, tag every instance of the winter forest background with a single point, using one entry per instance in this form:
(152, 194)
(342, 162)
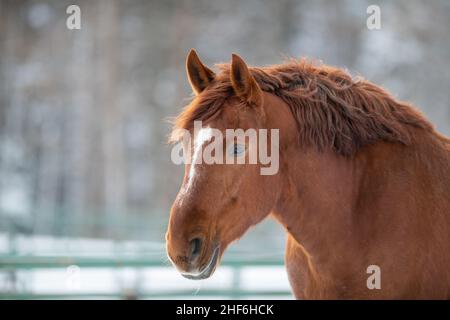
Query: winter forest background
(83, 113)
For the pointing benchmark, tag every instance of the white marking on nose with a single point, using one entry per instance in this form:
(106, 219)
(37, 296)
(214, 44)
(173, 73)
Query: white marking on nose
(203, 136)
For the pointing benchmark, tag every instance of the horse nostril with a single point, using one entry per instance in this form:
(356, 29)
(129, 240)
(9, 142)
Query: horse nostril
(195, 246)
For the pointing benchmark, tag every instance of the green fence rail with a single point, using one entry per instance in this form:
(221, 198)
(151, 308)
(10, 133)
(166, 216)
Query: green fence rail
(34, 262)
(13, 263)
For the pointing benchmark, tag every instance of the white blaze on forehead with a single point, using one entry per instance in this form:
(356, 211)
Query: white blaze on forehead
(202, 136)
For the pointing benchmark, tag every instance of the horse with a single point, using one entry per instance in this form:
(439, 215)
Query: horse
(362, 189)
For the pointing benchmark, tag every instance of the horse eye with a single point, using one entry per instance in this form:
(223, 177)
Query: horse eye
(237, 149)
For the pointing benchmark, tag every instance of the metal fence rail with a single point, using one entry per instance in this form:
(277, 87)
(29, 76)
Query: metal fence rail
(12, 263)
(34, 262)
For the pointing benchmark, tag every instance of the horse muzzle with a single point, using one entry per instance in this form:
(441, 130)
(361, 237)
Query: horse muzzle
(207, 270)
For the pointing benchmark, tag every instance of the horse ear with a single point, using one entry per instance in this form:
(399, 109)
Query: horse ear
(199, 75)
(243, 83)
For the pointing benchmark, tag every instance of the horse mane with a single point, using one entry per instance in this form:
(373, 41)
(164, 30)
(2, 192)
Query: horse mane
(331, 109)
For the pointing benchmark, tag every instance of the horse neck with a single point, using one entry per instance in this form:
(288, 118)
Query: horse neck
(331, 204)
(317, 201)
(318, 188)
(323, 193)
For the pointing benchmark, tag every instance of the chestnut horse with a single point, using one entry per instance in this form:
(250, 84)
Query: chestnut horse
(363, 182)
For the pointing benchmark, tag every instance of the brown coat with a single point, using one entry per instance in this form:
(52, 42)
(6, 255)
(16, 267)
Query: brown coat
(363, 180)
